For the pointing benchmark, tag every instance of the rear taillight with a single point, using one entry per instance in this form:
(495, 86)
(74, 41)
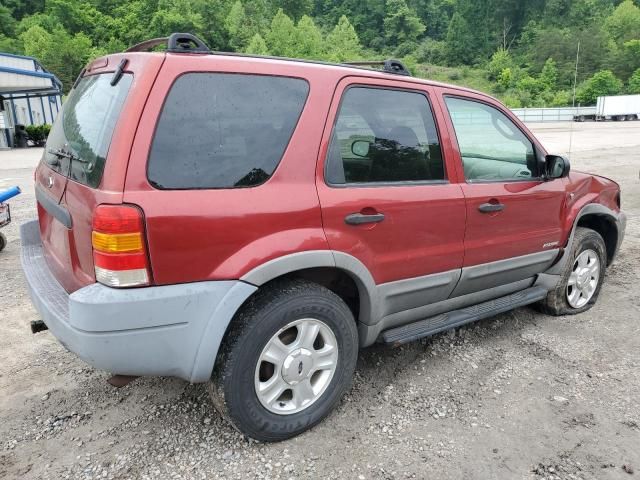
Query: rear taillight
(119, 250)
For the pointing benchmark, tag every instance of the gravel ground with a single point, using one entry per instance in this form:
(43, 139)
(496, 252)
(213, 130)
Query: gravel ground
(520, 395)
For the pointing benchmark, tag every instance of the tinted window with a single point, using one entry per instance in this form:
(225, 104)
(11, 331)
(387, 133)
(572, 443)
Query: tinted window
(222, 130)
(384, 136)
(85, 125)
(491, 146)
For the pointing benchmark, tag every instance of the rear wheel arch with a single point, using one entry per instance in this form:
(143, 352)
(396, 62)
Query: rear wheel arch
(337, 271)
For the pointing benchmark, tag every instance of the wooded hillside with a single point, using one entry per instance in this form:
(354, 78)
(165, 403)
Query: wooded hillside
(522, 51)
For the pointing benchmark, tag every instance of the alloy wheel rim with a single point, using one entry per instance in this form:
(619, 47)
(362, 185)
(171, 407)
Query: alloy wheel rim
(583, 279)
(296, 366)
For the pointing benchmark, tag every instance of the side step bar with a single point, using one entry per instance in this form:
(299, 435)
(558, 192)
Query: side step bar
(456, 318)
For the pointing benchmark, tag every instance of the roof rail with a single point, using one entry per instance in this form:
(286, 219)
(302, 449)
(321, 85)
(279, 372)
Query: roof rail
(390, 66)
(176, 43)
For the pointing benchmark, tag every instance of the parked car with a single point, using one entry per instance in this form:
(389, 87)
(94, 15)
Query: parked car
(252, 222)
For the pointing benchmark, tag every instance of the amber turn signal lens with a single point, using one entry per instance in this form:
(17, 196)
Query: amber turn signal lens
(116, 243)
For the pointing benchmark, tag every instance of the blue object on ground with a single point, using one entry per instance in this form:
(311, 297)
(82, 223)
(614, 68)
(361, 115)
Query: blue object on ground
(10, 193)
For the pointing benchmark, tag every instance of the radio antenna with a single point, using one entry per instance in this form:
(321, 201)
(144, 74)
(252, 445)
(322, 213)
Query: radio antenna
(573, 103)
(571, 138)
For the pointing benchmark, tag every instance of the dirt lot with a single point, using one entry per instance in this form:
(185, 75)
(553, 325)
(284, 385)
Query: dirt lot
(521, 395)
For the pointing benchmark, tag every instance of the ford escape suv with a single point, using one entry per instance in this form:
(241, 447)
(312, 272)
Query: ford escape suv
(252, 222)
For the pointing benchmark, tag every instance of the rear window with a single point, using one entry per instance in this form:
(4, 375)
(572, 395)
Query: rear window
(82, 132)
(221, 130)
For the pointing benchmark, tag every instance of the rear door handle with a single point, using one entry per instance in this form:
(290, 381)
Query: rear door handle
(360, 218)
(491, 207)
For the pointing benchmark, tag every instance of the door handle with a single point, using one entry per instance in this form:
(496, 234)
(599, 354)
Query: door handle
(491, 207)
(360, 218)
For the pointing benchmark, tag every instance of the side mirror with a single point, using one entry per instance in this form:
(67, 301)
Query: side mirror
(360, 148)
(556, 166)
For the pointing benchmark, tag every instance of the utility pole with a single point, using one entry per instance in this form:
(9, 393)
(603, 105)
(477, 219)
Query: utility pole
(575, 75)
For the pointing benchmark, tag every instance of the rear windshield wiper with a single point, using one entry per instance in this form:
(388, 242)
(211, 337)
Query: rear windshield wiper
(60, 153)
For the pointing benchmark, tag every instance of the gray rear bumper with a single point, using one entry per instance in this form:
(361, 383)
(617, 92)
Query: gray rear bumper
(172, 330)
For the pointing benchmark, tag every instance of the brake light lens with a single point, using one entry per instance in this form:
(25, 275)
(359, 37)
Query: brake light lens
(119, 251)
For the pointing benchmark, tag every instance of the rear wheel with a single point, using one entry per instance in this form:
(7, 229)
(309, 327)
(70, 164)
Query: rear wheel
(3, 242)
(582, 277)
(288, 358)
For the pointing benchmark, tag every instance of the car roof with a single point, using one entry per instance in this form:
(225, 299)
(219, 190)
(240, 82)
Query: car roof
(308, 66)
(343, 67)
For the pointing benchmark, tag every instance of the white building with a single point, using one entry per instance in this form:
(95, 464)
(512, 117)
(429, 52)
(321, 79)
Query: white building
(29, 95)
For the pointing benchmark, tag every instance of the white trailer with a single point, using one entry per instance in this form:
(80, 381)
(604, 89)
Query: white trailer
(615, 107)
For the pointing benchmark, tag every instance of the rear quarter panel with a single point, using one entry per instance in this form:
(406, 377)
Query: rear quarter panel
(218, 234)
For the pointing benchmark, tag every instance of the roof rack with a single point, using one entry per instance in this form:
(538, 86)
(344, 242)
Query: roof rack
(176, 43)
(189, 43)
(390, 66)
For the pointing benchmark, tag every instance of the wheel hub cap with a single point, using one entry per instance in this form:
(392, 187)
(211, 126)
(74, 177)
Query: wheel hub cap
(583, 279)
(296, 366)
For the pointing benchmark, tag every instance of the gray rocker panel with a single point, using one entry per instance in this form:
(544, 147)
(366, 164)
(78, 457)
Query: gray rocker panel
(502, 272)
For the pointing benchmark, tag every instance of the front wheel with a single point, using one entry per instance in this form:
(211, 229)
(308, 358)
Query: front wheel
(582, 277)
(3, 242)
(288, 358)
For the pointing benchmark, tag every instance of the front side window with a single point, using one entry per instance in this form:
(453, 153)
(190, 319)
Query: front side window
(491, 146)
(221, 130)
(383, 136)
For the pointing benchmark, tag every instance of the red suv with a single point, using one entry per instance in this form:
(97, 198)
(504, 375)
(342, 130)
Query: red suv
(255, 221)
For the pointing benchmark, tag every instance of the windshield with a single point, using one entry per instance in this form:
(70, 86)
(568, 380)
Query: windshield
(80, 137)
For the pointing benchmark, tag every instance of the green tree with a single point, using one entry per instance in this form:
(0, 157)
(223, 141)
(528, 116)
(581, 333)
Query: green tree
(343, 43)
(435, 14)
(459, 41)
(627, 58)
(296, 9)
(175, 16)
(282, 38)
(401, 24)
(549, 75)
(500, 61)
(505, 78)
(624, 23)
(257, 46)
(237, 27)
(542, 42)
(63, 54)
(7, 22)
(311, 43)
(634, 82)
(530, 85)
(601, 83)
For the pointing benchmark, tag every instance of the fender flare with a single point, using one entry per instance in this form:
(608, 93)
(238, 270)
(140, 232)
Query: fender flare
(618, 220)
(369, 305)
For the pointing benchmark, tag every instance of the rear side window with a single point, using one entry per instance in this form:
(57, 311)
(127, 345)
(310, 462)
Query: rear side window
(82, 131)
(221, 130)
(384, 136)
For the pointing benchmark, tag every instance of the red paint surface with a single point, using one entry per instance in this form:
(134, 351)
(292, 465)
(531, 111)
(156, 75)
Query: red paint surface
(222, 234)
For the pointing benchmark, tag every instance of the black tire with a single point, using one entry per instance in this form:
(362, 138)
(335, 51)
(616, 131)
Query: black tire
(556, 302)
(272, 308)
(3, 242)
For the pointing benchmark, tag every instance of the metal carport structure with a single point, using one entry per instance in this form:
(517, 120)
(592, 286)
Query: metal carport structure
(29, 94)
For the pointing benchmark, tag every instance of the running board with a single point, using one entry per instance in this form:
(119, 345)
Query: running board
(456, 318)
